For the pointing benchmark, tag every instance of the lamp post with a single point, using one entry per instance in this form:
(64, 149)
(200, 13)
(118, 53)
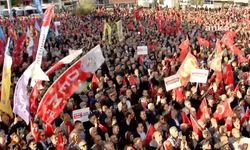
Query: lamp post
(9, 8)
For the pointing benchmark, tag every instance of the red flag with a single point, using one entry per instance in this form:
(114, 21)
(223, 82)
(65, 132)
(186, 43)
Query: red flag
(185, 118)
(60, 145)
(195, 126)
(35, 91)
(237, 88)
(219, 77)
(203, 109)
(137, 15)
(237, 52)
(227, 39)
(149, 134)
(60, 91)
(132, 80)
(198, 20)
(222, 111)
(179, 95)
(130, 26)
(140, 28)
(245, 116)
(152, 90)
(49, 130)
(184, 49)
(231, 34)
(140, 60)
(34, 131)
(95, 82)
(228, 76)
(203, 42)
(229, 124)
(103, 128)
(178, 23)
(190, 63)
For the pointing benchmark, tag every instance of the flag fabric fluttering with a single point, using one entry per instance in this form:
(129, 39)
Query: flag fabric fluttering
(196, 127)
(185, 118)
(35, 91)
(57, 95)
(188, 65)
(38, 6)
(203, 109)
(2, 36)
(5, 104)
(37, 72)
(21, 98)
(228, 75)
(184, 49)
(37, 26)
(223, 110)
(60, 145)
(149, 134)
(120, 30)
(203, 42)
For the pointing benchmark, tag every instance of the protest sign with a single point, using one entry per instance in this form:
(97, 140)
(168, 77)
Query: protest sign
(199, 76)
(142, 50)
(81, 114)
(172, 82)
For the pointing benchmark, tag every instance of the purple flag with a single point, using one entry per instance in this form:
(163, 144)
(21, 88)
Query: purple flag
(21, 97)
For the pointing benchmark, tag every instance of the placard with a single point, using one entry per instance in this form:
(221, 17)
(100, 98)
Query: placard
(172, 82)
(81, 114)
(142, 50)
(199, 76)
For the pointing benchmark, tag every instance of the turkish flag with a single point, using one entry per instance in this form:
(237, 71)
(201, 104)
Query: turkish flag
(60, 145)
(196, 127)
(203, 109)
(130, 26)
(227, 41)
(178, 23)
(179, 94)
(185, 118)
(228, 75)
(245, 116)
(229, 124)
(95, 82)
(219, 77)
(103, 128)
(237, 52)
(140, 60)
(34, 131)
(231, 34)
(222, 111)
(203, 42)
(188, 65)
(132, 80)
(49, 129)
(184, 49)
(149, 134)
(136, 15)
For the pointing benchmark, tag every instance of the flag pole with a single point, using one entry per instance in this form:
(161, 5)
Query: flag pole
(9, 8)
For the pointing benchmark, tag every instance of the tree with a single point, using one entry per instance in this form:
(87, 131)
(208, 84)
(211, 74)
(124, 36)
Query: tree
(197, 2)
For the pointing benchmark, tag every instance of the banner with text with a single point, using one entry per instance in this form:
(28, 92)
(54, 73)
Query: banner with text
(199, 76)
(172, 82)
(81, 114)
(142, 50)
(61, 90)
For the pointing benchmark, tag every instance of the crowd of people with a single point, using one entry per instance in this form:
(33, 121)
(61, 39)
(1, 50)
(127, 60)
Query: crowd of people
(138, 114)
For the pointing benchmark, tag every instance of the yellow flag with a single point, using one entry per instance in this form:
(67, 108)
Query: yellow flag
(6, 82)
(109, 33)
(119, 30)
(104, 31)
